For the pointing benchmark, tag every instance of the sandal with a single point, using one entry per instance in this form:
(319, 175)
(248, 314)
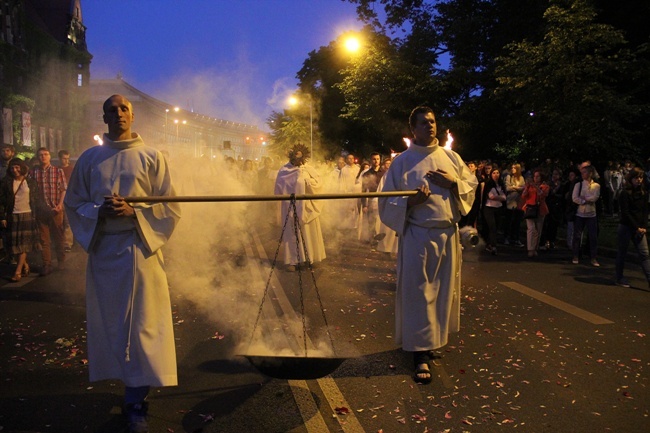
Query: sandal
(25, 270)
(420, 360)
(16, 278)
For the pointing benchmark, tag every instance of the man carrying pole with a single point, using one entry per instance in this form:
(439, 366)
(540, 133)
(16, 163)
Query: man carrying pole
(427, 303)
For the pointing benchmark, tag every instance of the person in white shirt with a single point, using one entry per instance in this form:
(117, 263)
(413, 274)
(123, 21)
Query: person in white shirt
(585, 195)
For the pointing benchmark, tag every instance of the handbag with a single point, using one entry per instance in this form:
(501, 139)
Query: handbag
(532, 210)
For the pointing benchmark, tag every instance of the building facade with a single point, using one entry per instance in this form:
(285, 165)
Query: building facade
(44, 74)
(180, 132)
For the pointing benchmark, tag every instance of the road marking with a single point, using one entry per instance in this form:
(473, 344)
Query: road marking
(305, 401)
(314, 422)
(561, 305)
(335, 398)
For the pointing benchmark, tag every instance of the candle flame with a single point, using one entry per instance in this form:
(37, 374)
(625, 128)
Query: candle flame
(407, 142)
(450, 140)
(98, 140)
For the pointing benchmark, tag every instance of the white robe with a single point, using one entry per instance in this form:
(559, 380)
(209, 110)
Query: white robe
(303, 179)
(130, 329)
(427, 304)
(388, 244)
(348, 208)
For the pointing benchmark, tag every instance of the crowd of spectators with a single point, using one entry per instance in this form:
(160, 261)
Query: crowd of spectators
(32, 218)
(535, 207)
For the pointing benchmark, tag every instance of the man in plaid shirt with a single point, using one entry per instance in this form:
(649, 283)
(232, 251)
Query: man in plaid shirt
(52, 185)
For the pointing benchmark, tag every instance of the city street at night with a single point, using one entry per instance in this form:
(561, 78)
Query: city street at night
(544, 346)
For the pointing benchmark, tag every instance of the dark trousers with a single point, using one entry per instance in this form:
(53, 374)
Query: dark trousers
(491, 214)
(591, 224)
(624, 235)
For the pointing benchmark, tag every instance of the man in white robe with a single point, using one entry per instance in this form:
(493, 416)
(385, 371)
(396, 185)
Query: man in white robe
(427, 304)
(129, 320)
(349, 211)
(296, 177)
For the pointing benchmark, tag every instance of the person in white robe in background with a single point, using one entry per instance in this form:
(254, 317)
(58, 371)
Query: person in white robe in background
(427, 304)
(129, 316)
(298, 178)
(349, 211)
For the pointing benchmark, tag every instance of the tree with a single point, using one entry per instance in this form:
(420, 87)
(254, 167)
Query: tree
(564, 90)
(286, 131)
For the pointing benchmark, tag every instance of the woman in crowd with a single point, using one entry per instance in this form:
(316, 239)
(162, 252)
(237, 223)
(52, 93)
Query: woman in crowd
(515, 184)
(633, 205)
(494, 197)
(535, 209)
(555, 204)
(18, 195)
(570, 207)
(483, 177)
(585, 194)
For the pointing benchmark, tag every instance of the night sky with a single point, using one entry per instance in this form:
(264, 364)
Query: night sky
(231, 59)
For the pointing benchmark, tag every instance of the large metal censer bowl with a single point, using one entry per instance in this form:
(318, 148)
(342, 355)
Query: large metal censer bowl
(294, 367)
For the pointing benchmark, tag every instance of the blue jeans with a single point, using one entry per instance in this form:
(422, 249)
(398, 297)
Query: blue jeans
(579, 225)
(625, 234)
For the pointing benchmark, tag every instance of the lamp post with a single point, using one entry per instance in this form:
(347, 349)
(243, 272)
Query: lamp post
(294, 101)
(177, 122)
(166, 113)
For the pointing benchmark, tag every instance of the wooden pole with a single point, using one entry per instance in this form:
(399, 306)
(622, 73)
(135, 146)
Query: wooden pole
(227, 198)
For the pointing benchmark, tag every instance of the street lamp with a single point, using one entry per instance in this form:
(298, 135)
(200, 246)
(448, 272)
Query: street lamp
(166, 113)
(352, 44)
(294, 101)
(176, 121)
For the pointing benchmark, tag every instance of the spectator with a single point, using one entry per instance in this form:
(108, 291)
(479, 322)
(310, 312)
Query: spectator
(555, 204)
(67, 167)
(248, 176)
(585, 194)
(7, 152)
(633, 224)
(52, 187)
(495, 196)
(534, 196)
(18, 197)
(515, 184)
(569, 206)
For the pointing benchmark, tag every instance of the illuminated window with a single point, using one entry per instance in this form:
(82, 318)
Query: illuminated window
(80, 80)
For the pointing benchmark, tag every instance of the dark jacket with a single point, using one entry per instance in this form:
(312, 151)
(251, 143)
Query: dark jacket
(634, 208)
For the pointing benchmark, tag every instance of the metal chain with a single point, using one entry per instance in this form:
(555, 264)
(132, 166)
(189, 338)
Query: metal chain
(268, 281)
(299, 237)
(298, 229)
(320, 302)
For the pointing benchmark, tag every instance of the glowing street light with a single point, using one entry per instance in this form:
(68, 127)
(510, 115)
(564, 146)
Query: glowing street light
(352, 44)
(295, 101)
(177, 122)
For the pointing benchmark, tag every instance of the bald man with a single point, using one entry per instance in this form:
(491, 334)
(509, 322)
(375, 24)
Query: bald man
(130, 330)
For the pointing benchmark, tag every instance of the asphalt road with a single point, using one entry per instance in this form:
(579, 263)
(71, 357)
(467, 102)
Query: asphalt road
(545, 346)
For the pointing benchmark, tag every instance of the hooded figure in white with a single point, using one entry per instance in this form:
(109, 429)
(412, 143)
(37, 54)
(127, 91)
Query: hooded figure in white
(298, 178)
